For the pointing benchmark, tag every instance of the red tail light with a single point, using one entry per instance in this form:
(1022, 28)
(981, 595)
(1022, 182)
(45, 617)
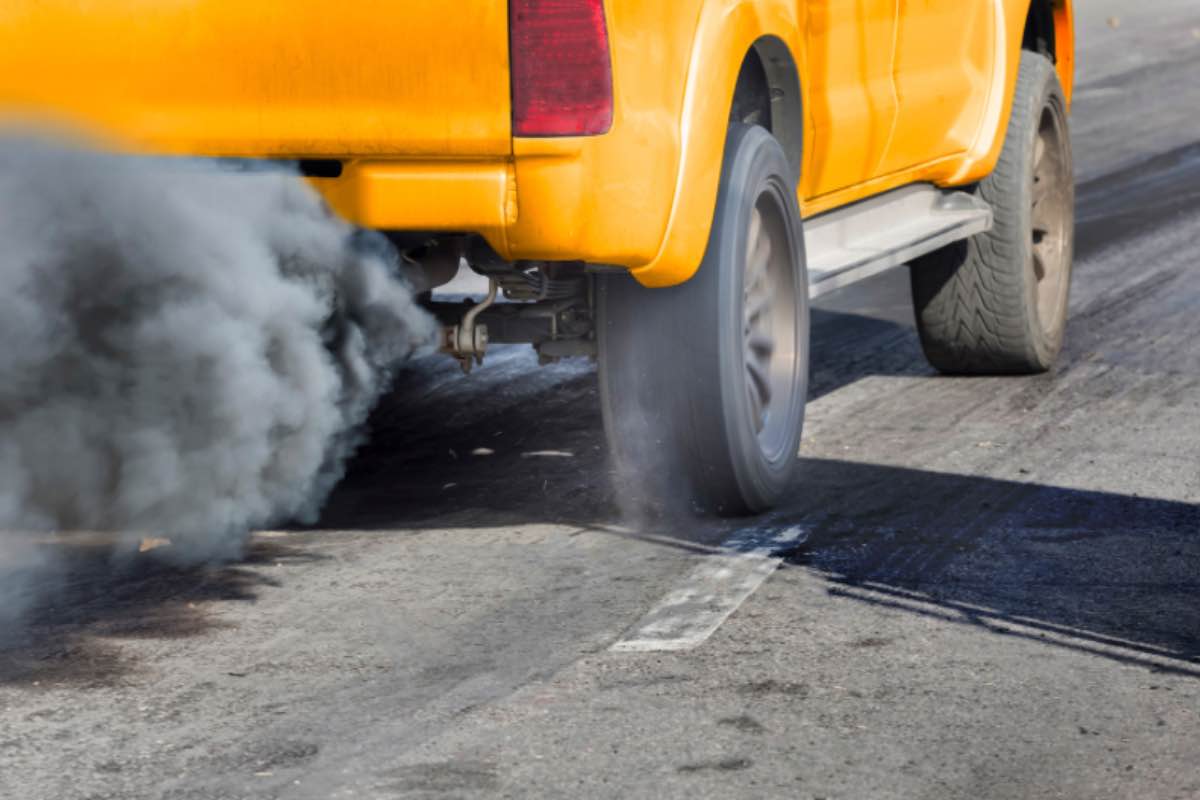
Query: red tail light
(561, 72)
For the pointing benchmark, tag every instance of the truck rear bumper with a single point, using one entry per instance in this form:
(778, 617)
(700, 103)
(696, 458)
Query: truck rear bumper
(592, 199)
(428, 195)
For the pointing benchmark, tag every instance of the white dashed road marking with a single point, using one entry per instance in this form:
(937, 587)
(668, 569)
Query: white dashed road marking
(714, 590)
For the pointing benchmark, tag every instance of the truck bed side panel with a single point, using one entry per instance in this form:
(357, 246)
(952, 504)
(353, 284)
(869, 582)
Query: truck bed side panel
(272, 78)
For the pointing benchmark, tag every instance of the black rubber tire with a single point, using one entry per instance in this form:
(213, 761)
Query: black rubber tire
(976, 302)
(672, 365)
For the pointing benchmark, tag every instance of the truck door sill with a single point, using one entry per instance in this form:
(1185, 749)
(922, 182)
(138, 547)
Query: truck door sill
(850, 244)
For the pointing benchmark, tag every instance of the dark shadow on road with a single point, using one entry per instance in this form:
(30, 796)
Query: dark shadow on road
(519, 444)
(1106, 573)
(69, 638)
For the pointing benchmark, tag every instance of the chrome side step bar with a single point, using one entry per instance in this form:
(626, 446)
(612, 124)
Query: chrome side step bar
(852, 243)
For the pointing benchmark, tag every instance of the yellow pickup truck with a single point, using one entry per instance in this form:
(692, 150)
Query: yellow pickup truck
(662, 184)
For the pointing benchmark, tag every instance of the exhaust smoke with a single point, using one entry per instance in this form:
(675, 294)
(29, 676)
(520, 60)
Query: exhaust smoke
(185, 351)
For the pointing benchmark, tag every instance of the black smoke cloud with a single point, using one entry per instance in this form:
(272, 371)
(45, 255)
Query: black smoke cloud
(185, 351)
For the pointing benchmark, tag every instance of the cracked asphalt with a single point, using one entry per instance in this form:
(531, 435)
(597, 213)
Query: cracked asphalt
(998, 595)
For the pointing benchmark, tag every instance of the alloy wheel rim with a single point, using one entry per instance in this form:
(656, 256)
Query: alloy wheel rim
(1049, 215)
(769, 326)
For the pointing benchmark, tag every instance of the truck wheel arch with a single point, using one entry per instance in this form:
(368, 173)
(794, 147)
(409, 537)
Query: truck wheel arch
(770, 62)
(1039, 29)
(730, 36)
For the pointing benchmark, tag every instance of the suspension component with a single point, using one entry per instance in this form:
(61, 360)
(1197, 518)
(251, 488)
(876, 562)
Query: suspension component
(533, 282)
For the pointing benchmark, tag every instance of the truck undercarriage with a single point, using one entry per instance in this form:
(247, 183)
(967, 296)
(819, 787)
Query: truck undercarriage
(550, 305)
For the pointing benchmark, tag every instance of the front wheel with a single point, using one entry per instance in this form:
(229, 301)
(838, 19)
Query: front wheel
(997, 303)
(703, 385)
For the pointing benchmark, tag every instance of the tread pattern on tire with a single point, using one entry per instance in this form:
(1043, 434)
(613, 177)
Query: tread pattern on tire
(971, 298)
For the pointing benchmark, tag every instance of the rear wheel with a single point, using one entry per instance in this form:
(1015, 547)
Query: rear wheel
(997, 303)
(703, 384)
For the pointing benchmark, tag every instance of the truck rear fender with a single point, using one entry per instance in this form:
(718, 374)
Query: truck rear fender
(728, 30)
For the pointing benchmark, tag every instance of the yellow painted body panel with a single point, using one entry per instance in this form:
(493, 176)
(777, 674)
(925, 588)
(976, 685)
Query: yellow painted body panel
(477, 195)
(851, 96)
(416, 102)
(1064, 34)
(265, 77)
(945, 50)
(686, 238)
(727, 29)
(608, 198)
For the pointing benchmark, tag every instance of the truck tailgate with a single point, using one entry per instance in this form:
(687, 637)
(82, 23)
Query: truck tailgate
(281, 78)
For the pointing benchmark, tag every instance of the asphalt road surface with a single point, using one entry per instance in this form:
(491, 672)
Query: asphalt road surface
(983, 588)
